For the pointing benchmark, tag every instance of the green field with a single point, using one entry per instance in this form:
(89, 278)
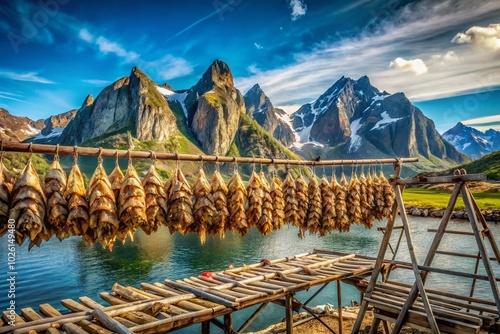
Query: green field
(422, 198)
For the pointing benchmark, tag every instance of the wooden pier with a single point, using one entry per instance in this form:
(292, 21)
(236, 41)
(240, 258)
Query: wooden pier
(170, 305)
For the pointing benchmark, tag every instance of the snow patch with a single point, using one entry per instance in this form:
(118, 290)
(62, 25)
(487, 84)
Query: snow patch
(355, 138)
(465, 146)
(173, 96)
(31, 131)
(56, 132)
(285, 118)
(379, 97)
(386, 119)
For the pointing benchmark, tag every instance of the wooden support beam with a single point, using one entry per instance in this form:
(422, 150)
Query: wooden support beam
(252, 317)
(339, 305)
(110, 323)
(289, 313)
(228, 324)
(205, 327)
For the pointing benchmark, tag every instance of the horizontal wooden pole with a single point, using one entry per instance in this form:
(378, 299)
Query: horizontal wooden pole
(442, 179)
(8, 146)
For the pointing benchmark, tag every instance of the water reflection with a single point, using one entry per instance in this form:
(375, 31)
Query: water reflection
(70, 269)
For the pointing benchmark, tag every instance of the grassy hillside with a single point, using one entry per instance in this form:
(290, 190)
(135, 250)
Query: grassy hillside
(438, 199)
(489, 165)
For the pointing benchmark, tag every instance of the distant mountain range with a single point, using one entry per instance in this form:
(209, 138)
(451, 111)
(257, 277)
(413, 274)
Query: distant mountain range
(352, 119)
(473, 142)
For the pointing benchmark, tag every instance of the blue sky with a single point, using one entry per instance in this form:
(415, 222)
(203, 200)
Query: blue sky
(444, 55)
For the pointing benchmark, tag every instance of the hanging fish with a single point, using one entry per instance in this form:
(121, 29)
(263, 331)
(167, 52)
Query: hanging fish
(203, 206)
(156, 201)
(57, 206)
(180, 202)
(354, 200)
(131, 204)
(6, 184)
(368, 220)
(301, 193)
(291, 203)
(314, 210)
(116, 178)
(278, 202)
(265, 223)
(389, 196)
(221, 214)
(342, 222)
(28, 207)
(236, 199)
(254, 199)
(75, 195)
(328, 212)
(378, 195)
(102, 208)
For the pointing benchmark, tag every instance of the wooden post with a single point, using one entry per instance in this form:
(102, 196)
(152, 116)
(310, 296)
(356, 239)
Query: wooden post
(205, 327)
(469, 206)
(380, 257)
(339, 302)
(418, 278)
(289, 313)
(228, 324)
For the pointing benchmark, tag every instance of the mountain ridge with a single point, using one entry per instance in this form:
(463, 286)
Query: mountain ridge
(473, 142)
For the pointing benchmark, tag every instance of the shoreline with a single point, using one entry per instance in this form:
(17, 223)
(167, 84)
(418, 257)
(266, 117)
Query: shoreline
(492, 215)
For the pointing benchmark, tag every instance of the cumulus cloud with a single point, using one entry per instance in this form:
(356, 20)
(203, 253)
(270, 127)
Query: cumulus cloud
(107, 46)
(169, 67)
(85, 35)
(298, 7)
(487, 38)
(28, 76)
(484, 123)
(416, 66)
(448, 58)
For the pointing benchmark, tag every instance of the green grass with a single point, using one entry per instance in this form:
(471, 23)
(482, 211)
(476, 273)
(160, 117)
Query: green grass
(489, 165)
(423, 198)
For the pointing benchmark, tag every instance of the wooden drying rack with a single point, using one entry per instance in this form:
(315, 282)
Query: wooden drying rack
(7, 146)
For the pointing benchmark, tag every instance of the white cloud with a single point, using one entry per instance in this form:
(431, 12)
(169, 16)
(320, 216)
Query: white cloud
(258, 46)
(298, 7)
(484, 123)
(107, 46)
(85, 35)
(416, 66)
(443, 59)
(290, 108)
(487, 38)
(169, 67)
(253, 69)
(29, 76)
(96, 82)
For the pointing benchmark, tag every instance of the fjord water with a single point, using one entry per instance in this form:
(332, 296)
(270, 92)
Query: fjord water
(70, 269)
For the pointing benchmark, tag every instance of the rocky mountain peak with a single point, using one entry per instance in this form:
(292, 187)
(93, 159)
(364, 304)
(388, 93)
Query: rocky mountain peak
(88, 101)
(273, 120)
(471, 141)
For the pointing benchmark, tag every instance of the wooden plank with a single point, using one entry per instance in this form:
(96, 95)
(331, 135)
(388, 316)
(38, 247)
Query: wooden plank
(113, 300)
(30, 314)
(73, 306)
(90, 303)
(138, 317)
(6, 318)
(110, 323)
(442, 179)
(468, 201)
(289, 313)
(73, 329)
(127, 293)
(201, 293)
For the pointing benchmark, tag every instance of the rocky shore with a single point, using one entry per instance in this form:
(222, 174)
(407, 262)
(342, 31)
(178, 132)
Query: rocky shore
(490, 215)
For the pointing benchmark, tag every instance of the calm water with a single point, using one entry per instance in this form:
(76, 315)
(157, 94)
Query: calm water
(70, 269)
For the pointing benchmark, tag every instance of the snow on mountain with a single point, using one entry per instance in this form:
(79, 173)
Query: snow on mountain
(471, 141)
(173, 96)
(355, 139)
(386, 119)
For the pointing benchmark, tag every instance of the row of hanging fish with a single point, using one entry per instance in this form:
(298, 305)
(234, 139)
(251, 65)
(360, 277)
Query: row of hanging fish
(115, 206)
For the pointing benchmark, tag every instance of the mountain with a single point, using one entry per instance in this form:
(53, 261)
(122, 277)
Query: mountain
(488, 164)
(14, 128)
(132, 104)
(214, 107)
(473, 142)
(53, 128)
(274, 120)
(354, 119)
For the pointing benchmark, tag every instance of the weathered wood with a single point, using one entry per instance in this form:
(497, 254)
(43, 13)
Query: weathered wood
(30, 314)
(73, 306)
(289, 313)
(138, 317)
(201, 293)
(9, 146)
(339, 306)
(90, 303)
(127, 293)
(73, 329)
(442, 179)
(252, 317)
(419, 281)
(110, 323)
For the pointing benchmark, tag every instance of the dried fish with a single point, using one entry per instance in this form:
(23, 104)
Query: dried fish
(221, 214)
(389, 196)
(254, 199)
(378, 195)
(278, 202)
(354, 200)
(180, 202)
(291, 203)
(156, 201)
(265, 222)
(28, 207)
(366, 217)
(116, 178)
(131, 204)
(57, 206)
(203, 206)
(75, 195)
(302, 196)
(102, 208)
(328, 212)
(314, 210)
(342, 222)
(236, 199)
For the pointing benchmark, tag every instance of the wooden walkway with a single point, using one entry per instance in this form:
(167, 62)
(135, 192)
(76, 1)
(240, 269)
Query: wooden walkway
(166, 306)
